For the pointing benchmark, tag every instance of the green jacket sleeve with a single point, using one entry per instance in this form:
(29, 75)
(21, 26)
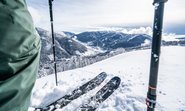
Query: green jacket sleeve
(19, 55)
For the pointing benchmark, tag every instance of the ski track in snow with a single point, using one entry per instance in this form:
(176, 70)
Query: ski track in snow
(133, 69)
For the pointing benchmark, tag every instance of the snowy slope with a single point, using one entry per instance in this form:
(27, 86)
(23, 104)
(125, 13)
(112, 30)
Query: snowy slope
(133, 69)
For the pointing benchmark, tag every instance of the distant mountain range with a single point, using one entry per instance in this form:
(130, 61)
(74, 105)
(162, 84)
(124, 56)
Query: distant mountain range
(78, 50)
(69, 44)
(181, 38)
(109, 40)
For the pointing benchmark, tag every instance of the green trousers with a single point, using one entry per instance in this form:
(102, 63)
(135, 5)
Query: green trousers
(19, 55)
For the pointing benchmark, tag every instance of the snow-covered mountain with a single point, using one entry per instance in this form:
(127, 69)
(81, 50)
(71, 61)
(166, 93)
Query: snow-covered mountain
(109, 40)
(181, 38)
(133, 69)
(78, 50)
(65, 46)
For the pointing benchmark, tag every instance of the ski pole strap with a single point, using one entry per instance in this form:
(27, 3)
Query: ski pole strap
(151, 101)
(159, 1)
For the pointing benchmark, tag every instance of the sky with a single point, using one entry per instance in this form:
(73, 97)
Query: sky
(88, 14)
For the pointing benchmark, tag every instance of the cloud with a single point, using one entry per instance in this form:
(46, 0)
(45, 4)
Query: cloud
(140, 30)
(35, 15)
(71, 15)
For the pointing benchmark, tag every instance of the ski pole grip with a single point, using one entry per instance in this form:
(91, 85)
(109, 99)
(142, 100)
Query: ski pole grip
(159, 1)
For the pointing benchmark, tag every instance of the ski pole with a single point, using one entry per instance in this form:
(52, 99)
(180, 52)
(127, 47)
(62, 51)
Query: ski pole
(155, 54)
(53, 38)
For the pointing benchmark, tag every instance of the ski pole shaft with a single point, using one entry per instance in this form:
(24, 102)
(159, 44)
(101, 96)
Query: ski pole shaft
(53, 39)
(155, 54)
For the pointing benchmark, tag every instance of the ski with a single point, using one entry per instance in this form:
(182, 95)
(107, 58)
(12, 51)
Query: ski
(63, 101)
(94, 102)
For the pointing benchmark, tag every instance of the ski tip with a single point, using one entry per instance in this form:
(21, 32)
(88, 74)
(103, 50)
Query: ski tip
(117, 79)
(103, 73)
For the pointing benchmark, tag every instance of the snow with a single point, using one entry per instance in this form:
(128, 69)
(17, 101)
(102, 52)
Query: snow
(156, 57)
(170, 37)
(146, 43)
(156, 6)
(133, 69)
(62, 33)
(156, 26)
(90, 50)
